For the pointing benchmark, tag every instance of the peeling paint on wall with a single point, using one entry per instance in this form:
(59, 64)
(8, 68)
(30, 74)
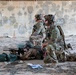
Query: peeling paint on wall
(19, 15)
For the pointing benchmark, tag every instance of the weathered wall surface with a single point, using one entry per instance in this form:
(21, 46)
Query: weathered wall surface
(17, 17)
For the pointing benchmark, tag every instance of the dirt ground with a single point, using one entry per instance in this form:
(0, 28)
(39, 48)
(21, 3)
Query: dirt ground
(21, 67)
(17, 68)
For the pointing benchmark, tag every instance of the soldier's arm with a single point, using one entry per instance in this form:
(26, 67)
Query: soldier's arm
(38, 30)
(34, 29)
(43, 32)
(54, 35)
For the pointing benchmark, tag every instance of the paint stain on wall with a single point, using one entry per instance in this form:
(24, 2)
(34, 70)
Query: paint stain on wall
(37, 6)
(66, 10)
(15, 25)
(72, 20)
(59, 14)
(73, 15)
(22, 29)
(10, 8)
(25, 13)
(53, 7)
(64, 3)
(23, 8)
(0, 15)
(19, 13)
(12, 20)
(4, 2)
(66, 18)
(73, 6)
(74, 9)
(1, 23)
(74, 3)
(2, 9)
(60, 21)
(13, 14)
(5, 19)
(48, 2)
(40, 11)
(39, 2)
(45, 8)
(30, 9)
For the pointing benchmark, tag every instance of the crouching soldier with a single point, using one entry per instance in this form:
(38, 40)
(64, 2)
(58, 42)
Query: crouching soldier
(54, 41)
(37, 36)
(38, 30)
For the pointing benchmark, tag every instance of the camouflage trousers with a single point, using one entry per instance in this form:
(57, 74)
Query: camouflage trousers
(50, 56)
(28, 54)
(33, 54)
(53, 55)
(61, 56)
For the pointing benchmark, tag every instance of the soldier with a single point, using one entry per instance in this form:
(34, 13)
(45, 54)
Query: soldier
(38, 28)
(54, 41)
(37, 36)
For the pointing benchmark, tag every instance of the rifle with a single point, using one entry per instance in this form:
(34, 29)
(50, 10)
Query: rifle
(11, 50)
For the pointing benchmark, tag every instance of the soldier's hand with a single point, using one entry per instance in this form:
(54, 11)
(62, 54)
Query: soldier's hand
(44, 44)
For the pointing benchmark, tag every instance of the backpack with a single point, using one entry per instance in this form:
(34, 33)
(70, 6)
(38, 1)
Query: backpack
(66, 46)
(63, 36)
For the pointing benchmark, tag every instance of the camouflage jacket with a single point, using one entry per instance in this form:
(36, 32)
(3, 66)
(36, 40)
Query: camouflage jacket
(55, 37)
(38, 29)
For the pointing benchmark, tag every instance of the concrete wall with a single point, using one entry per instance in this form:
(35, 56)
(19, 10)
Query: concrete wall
(17, 17)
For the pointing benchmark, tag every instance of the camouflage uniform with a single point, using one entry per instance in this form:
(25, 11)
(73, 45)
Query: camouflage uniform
(55, 44)
(38, 28)
(37, 38)
(38, 32)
